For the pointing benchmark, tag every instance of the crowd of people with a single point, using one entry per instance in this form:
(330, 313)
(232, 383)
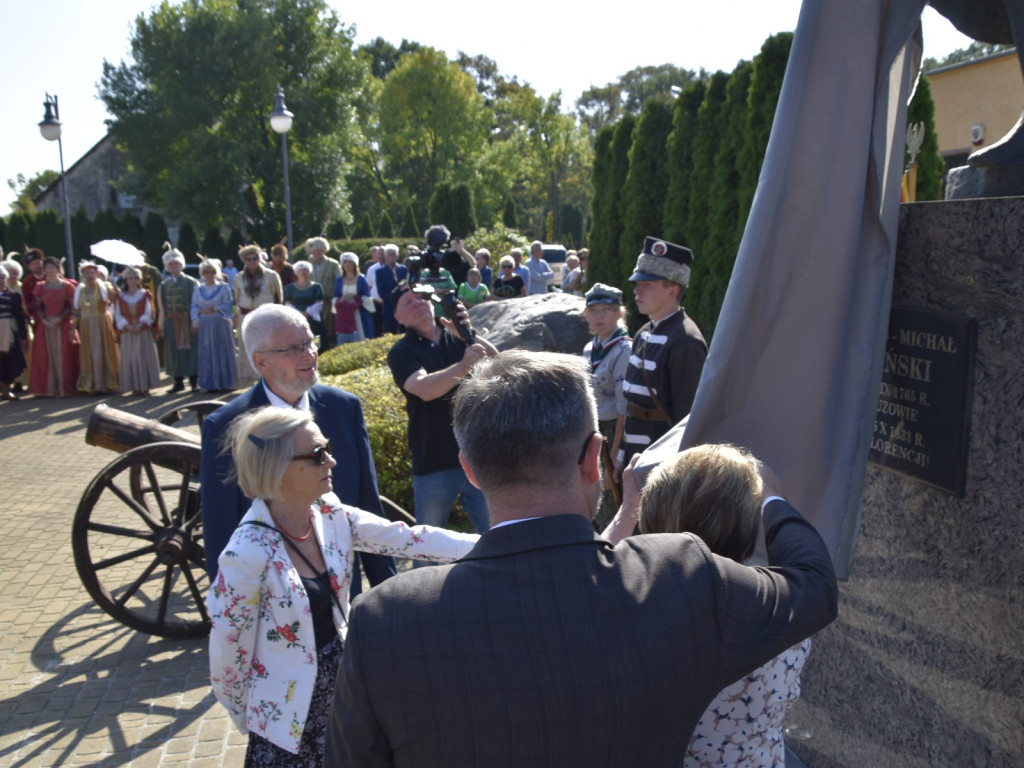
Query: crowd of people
(591, 619)
(612, 621)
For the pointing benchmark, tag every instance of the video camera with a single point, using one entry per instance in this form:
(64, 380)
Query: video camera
(436, 256)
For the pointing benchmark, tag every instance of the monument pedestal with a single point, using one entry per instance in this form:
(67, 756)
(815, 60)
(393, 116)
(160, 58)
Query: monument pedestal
(925, 665)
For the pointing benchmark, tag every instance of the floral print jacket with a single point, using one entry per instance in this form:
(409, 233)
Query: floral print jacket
(262, 645)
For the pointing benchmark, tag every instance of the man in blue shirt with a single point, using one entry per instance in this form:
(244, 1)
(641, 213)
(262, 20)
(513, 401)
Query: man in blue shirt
(539, 270)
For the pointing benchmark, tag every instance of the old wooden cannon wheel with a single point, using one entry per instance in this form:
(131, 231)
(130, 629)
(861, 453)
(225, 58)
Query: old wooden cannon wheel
(137, 541)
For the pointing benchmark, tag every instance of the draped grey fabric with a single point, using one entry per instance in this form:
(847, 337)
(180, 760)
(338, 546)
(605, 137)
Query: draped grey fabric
(794, 369)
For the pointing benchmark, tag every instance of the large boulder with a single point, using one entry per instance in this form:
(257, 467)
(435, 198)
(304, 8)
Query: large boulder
(550, 322)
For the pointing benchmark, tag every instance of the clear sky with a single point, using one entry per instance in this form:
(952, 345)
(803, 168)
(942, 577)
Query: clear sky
(58, 47)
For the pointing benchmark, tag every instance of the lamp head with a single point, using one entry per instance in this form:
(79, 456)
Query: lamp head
(50, 126)
(280, 118)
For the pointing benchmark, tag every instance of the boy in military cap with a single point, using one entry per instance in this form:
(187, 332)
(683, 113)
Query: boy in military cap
(668, 353)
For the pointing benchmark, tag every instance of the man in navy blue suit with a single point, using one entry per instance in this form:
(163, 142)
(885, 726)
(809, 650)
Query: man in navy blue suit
(388, 277)
(282, 350)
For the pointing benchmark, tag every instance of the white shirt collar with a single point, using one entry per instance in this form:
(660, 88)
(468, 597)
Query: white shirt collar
(277, 402)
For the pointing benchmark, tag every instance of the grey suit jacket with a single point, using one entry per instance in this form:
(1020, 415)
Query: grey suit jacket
(546, 646)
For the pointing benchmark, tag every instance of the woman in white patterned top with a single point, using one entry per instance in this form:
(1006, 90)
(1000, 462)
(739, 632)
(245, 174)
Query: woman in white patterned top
(714, 491)
(279, 604)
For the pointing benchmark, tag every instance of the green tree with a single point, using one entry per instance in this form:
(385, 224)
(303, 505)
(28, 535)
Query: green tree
(976, 50)
(603, 105)
(442, 205)
(718, 252)
(508, 213)
(409, 227)
(81, 233)
(235, 241)
(106, 226)
(213, 247)
(154, 235)
(765, 88)
(600, 202)
(195, 126)
(681, 161)
(511, 165)
(383, 56)
(365, 228)
(27, 190)
(336, 230)
(18, 236)
(606, 260)
(433, 126)
(572, 224)
(705, 147)
(385, 226)
(564, 156)
(652, 82)
(131, 229)
(49, 235)
(930, 166)
(646, 181)
(599, 106)
(187, 243)
(462, 221)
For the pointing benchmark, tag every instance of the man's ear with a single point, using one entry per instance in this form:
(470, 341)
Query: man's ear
(470, 475)
(257, 360)
(591, 466)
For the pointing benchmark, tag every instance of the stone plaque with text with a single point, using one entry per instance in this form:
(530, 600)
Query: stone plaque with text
(923, 418)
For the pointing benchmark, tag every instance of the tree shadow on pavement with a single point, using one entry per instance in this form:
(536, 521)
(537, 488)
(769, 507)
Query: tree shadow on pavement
(100, 681)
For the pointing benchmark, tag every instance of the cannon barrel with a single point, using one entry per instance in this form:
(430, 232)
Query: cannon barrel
(120, 431)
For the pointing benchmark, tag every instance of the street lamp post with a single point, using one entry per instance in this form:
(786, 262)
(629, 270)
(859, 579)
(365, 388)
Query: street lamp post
(50, 128)
(281, 121)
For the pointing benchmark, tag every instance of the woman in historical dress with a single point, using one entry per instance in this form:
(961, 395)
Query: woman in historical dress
(14, 273)
(255, 286)
(98, 355)
(352, 322)
(306, 296)
(13, 336)
(279, 263)
(55, 344)
(212, 310)
(279, 604)
(135, 319)
(715, 492)
(175, 303)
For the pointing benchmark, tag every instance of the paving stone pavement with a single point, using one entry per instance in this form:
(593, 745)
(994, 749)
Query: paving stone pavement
(77, 688)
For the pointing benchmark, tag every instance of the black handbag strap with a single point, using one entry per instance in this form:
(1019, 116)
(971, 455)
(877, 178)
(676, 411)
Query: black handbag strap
(321, 577)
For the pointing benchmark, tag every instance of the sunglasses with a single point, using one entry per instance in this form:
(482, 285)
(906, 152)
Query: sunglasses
(318, 456)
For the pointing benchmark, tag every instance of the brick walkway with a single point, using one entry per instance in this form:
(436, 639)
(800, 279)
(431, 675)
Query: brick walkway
(76, 687)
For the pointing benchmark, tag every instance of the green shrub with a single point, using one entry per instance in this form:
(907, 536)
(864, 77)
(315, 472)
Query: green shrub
(384, 411)
(353, 357)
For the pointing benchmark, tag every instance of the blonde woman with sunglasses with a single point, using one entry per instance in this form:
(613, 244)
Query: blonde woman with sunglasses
(279, 605)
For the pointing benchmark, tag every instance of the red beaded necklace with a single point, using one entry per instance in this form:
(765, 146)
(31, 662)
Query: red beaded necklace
(293, 537)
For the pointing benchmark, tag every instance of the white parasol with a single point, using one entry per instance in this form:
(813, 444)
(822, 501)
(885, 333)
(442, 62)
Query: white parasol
(118, 252)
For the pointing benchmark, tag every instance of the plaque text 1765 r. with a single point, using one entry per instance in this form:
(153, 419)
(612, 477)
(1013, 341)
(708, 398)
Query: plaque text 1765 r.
(922, 423)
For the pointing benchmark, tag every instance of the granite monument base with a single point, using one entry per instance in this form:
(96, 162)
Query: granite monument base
(925, 665)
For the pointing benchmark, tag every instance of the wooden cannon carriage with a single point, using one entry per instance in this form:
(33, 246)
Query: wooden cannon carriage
(137, 535)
